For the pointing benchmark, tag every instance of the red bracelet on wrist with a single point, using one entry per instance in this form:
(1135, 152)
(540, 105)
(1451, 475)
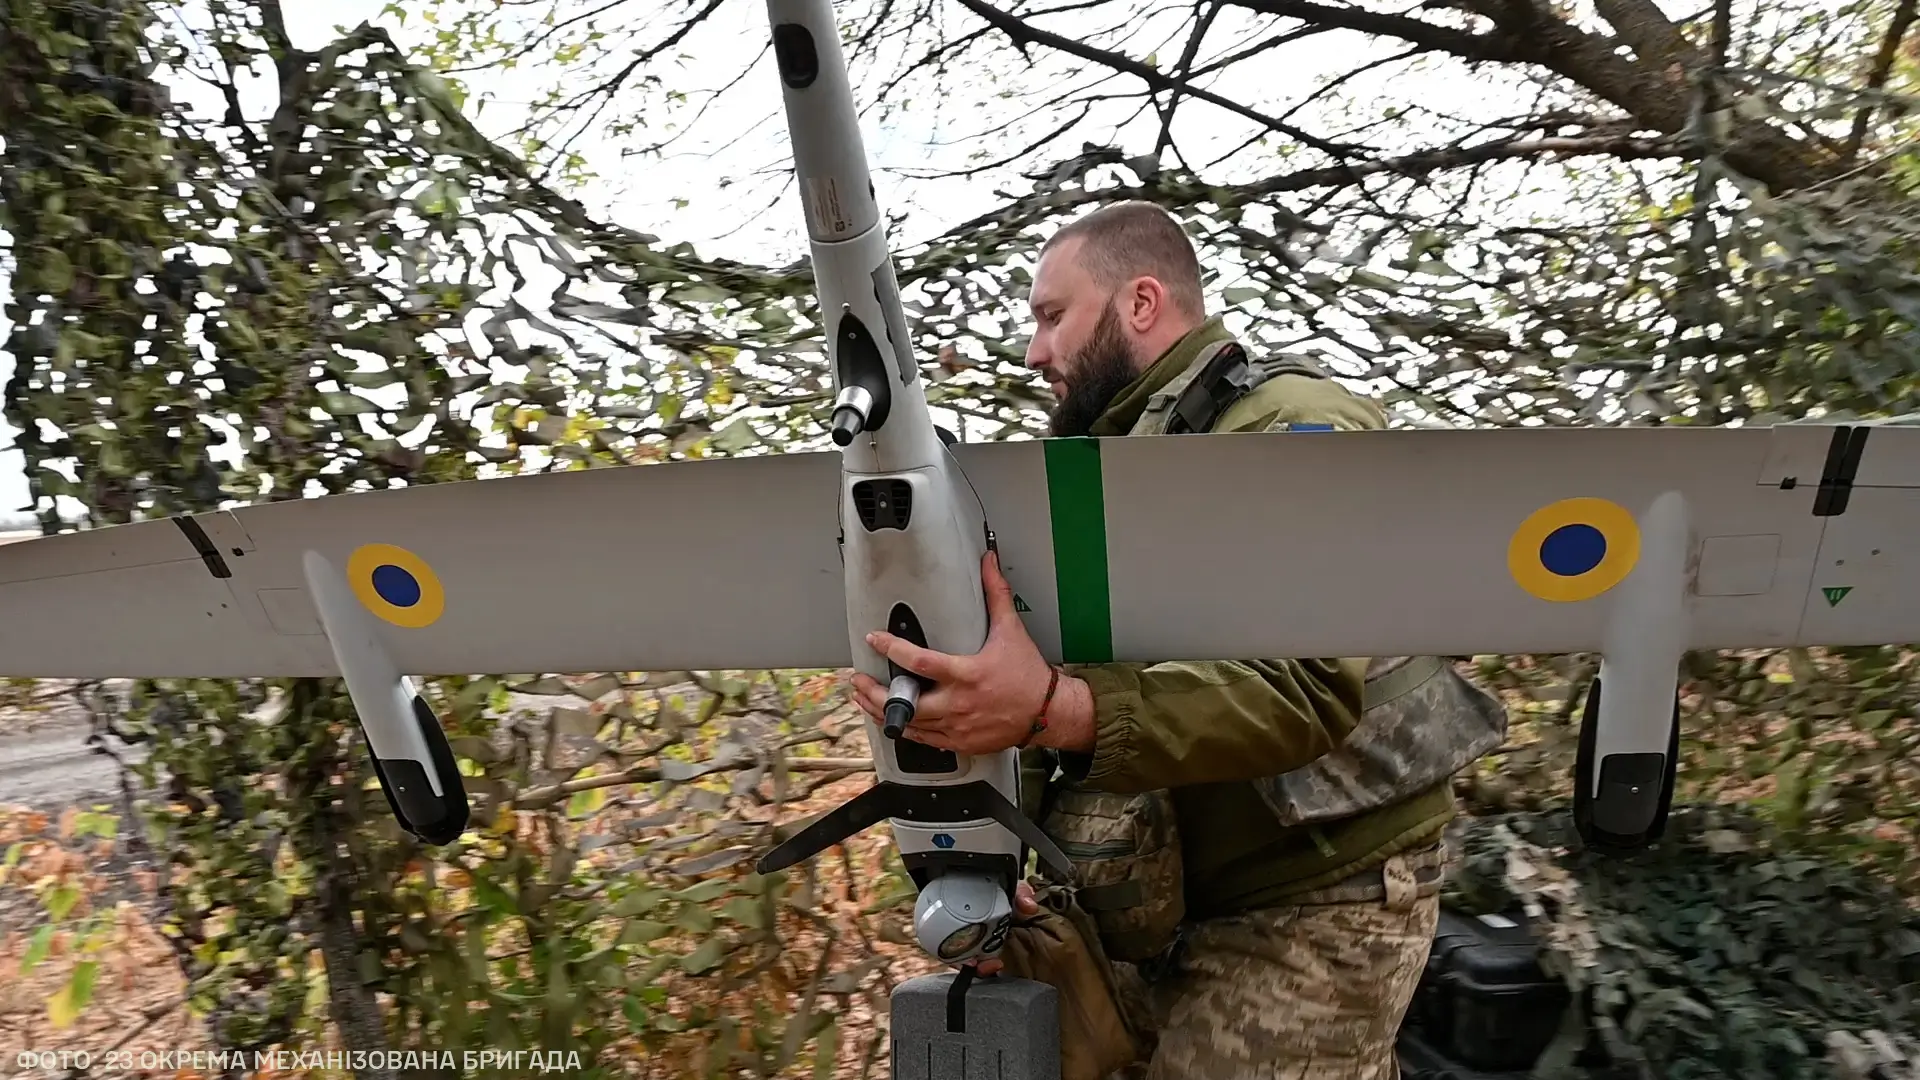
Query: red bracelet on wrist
(1040, 721)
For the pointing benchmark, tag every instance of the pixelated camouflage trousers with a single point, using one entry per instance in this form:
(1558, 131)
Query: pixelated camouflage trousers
(1309, 991)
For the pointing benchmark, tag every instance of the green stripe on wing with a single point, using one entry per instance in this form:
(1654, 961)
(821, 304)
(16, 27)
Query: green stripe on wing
(1077, 503)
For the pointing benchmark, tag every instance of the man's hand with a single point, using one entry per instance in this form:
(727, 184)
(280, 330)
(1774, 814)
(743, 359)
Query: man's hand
(980, 704)
(1024, 907)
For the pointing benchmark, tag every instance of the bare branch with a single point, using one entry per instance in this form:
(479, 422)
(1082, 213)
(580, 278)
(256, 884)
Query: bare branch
(1653, 88)
(1343, 79)
(1183, 69)
(1007, 159)
(694, 124)
(1903, 17)
(542, 797)
(1461, 43)
(1655, 40)
(541, 39)
(1343, 176)
(606, 88)
(1023, 34)
(1258, 47)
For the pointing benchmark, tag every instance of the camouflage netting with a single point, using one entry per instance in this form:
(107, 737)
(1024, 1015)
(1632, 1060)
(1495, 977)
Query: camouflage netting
(1717, 953)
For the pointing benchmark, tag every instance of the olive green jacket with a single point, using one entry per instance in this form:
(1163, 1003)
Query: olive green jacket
(1205, 729)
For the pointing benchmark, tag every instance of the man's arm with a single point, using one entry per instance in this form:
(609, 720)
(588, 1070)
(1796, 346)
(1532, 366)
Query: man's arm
(1138, 727)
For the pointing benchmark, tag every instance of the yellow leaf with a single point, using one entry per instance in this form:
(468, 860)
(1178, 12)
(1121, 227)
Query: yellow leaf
(64, 1007)
(503, 822)
(60, 1010)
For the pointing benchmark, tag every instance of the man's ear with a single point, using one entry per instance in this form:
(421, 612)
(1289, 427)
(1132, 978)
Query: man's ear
(1147, 303)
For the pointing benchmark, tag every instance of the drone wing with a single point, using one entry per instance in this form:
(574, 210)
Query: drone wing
(1451, 542)
(1366, 543)
(729, 563)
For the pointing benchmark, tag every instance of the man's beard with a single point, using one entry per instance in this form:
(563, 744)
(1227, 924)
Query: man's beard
(1097, 373)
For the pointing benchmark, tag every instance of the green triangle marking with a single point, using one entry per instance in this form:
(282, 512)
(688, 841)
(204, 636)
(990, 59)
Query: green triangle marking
(1836, 593)
(1019, 604)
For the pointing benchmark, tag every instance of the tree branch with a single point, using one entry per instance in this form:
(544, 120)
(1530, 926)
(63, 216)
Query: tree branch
(1462, 43)
(542, 797)
(1655, 40)
(1022, 34)
(1183, 69)
(1903, 17)
(607, 87)
(1422, 163)
(539, 40)
(1528, 32)
(1007, 159)
(1335, 83)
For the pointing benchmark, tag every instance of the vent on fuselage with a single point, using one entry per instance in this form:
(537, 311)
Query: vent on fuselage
(883, 504)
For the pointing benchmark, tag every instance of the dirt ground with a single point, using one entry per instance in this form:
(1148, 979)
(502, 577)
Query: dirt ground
(138, 995)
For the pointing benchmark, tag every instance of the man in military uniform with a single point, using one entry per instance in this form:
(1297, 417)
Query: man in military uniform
(1300, 946)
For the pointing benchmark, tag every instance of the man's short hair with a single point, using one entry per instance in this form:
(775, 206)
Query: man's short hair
(1129, 239)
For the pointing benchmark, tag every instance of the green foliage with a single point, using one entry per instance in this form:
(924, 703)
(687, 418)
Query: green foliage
(1716, 953)
(1822, 743)
(54, 868)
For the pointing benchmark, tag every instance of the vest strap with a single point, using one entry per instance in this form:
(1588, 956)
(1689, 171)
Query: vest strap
(1223, 379)
(1226, 378)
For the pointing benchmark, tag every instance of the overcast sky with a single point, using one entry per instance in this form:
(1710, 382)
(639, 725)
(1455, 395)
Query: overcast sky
(746, 131)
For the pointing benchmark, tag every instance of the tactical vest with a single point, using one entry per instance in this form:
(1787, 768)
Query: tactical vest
(1421, 722)
(1187, 403)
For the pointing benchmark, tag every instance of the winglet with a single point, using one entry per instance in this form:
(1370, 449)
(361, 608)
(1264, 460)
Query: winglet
(410, 753)
(1629, 739)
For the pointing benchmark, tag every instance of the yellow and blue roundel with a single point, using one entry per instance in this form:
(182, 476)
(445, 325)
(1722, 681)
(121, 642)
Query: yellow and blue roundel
(396, 585)
(1574, 549)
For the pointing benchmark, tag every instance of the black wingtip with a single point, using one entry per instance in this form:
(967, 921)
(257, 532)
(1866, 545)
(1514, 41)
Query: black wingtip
(1626, 816)
(435, 819)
